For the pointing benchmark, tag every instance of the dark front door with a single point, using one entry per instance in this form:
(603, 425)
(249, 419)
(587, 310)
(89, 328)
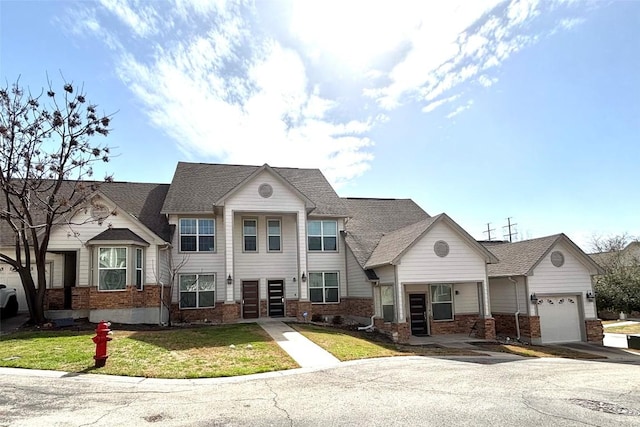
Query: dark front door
(417, 310)
(250, 300)
(69, 278)
(275, 290)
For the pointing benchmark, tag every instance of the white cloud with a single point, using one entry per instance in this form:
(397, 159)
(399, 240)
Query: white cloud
(226, 89)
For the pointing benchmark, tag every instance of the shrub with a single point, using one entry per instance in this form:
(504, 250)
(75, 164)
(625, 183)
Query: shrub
(317, 317)
(337, 320)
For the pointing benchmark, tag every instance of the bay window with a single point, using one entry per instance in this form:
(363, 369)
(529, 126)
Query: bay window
(112, 269)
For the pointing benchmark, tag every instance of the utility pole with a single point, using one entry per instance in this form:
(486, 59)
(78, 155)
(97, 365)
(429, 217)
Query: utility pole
(489, 230)
(510, 234)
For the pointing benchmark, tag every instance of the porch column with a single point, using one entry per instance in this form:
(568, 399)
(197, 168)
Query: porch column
(486, 304)
(399, 301)
(228, 254)
(302, 255)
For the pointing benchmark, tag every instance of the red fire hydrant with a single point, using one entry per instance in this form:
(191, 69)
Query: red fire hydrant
(101, 339)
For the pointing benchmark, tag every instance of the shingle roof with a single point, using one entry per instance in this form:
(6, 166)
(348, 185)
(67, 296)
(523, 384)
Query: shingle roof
(196, 187)
(118, 234)
(143, 201)
(517, 259)
(520, 258)
(393, 245)
(369, 219)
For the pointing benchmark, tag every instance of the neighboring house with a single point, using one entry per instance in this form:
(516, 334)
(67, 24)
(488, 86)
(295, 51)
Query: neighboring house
(229, 242)
(542, 290)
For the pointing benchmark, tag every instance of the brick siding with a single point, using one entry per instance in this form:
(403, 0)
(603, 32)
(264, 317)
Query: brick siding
(595, 331)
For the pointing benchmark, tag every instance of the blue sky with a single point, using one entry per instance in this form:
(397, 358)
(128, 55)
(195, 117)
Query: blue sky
(483, 110)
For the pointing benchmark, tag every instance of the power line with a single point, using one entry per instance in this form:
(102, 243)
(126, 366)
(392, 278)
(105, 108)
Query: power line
(489, 230)
(510, 234)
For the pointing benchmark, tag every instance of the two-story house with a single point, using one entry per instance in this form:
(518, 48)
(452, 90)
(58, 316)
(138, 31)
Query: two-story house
(229, 242)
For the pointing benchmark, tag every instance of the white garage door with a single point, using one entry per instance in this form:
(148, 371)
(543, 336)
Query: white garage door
(12, 280)
(559, 319)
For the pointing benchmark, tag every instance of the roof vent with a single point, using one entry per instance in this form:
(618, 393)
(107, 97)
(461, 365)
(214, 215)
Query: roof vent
(441, 248)
(557, 259)
(265, 190)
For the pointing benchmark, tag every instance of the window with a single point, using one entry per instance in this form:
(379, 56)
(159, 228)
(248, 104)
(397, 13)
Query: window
(250, 235)
(197, 235)
(323, 287)
(323, 235)
(386, 300)
(197, 290)
(139, 269)
(112, 269)
(273, 235)
(442, 302)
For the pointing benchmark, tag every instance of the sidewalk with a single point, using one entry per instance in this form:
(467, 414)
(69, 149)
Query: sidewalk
(304, 352)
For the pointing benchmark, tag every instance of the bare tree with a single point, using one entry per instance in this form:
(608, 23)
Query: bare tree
(172, 270)
(618, 289)
(46, 154)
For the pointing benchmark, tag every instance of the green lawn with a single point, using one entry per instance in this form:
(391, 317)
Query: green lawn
(346, 345)
(213, 351)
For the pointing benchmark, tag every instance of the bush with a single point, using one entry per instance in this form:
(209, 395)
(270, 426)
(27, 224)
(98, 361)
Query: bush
(337, 320)
(317, 317)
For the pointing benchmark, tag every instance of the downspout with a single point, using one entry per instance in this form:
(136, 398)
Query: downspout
(517, 314)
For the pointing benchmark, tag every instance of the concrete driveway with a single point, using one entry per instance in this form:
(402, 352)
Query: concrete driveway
(384, 392)
(12, 323)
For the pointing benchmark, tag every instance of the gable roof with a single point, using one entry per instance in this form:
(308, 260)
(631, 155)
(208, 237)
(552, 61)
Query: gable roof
(394, 245)
(198, 187)
(117, 234)
(141, 200)
(370, 219)
(521, 258)
(628, 254)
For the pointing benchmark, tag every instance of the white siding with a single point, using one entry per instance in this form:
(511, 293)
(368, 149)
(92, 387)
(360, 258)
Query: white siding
(503, 295)
(246, 202)
(331, 261)
(12, 279)
(264, 265)
(572, 278)
(200, 262)
(75, 237)
(386, 274)
(466, 301)
(420, 264)
(357, 283)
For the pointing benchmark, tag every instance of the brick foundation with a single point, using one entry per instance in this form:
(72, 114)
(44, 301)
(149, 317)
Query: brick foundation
(506, 325)
(595, 331)
(487, 328)
(54, 299)
(461, 324)
(80, 298)
(399, 332)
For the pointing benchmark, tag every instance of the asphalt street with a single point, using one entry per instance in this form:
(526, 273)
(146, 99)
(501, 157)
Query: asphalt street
(384, 392)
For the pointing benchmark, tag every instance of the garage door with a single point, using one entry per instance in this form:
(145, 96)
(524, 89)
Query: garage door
(12, 280)
(559, 319)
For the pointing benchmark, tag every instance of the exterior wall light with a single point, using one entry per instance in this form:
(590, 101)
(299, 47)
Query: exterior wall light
(534, 298)
(303, 277)
(590, 296)
(229, 280)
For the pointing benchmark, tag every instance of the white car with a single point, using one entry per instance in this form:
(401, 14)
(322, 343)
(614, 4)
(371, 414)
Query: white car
(8, 301)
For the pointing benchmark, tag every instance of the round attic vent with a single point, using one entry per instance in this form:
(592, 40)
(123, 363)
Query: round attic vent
(265, 190)
(557, 258)
(441, 248)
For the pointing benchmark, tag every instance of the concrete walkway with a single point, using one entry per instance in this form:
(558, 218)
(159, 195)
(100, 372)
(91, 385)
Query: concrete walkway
(304, 352)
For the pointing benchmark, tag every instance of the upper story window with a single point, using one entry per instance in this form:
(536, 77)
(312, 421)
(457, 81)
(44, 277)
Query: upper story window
(250, 235)
(112, 269)
(274, 235)
(323, 235)
(139, 269)
(197, 235)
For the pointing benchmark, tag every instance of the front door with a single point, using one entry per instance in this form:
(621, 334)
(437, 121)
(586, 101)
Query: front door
(418, 312)
(275, 290)
(250, 300)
